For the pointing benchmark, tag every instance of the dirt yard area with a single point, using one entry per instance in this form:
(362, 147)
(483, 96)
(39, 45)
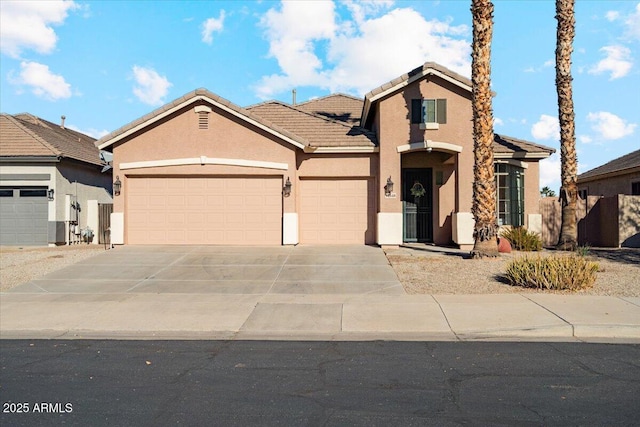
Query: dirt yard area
(425, 269)
(19, 265)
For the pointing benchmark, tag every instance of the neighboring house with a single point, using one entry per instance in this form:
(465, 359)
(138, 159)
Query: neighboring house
(619, 176)
(395, 167)
(48, 176)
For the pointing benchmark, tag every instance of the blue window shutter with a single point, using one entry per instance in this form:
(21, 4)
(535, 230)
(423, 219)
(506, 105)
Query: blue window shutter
(416, 111)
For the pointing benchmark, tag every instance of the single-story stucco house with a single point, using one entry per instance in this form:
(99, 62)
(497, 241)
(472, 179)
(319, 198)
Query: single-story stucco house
(394, 167)
(51, 182)
(619, 176)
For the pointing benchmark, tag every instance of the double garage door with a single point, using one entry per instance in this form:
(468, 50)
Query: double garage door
(225, 211)
(246, 210)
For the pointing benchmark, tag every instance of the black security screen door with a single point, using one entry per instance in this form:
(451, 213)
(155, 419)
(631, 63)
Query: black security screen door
(417, 202)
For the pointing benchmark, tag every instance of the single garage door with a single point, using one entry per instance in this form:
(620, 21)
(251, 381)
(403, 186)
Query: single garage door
(206, 211)
(24, 214)
(337, 211)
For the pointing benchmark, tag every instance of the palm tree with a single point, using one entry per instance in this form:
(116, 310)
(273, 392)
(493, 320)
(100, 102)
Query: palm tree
(569, 188)
(547, 192)
(484, 189)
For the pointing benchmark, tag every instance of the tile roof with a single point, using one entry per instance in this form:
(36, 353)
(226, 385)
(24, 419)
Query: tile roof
(319, 130)
(340, 107)
(27, 135)
(628, 161)
(194, 96)
(507, 144)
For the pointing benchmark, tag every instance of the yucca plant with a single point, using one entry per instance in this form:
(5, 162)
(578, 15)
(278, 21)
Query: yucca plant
(552, 272)
(522, 239)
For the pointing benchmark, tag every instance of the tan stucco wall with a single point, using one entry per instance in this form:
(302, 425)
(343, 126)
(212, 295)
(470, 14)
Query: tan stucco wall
(610, 186)
(178, 136)
(396, 129)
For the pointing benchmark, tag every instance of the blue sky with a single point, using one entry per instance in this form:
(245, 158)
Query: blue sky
(103, 64)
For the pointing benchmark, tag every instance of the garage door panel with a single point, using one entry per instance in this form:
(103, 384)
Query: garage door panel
(212, 210)
(24, 220)
(337, 211)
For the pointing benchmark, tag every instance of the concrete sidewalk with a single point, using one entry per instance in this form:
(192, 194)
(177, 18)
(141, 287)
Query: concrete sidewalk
(287, 293)
(320, 317)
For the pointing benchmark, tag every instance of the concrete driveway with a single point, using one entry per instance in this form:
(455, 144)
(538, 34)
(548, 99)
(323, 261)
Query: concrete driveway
(226, 270)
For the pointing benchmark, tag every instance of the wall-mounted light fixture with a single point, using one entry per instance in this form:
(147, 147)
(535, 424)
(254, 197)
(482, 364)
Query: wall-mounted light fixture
(286, 190)
(388, 189)
(50, 193)
(117, 185)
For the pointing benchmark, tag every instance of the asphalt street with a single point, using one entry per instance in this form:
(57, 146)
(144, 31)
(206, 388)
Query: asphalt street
(155, 383)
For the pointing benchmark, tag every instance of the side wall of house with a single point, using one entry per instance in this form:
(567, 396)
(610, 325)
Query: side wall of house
(610, 186)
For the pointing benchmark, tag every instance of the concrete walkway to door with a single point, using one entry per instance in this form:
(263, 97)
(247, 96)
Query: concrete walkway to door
(300, 293)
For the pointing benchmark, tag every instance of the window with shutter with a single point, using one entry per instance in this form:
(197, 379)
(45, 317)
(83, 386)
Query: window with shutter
(429, 113)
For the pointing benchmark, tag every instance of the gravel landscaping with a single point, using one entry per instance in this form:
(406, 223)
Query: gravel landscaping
(424, 269)
(21, 264)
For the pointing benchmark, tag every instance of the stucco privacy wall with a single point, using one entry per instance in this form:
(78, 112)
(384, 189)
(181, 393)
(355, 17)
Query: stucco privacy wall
(178, 136)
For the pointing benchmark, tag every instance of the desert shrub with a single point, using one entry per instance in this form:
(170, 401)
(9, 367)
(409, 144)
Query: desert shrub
(584, 250)
(552, 272)
(522, 239)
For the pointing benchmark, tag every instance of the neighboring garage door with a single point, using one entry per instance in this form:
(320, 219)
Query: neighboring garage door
(24, 214)
(337, 211)
(206, 211)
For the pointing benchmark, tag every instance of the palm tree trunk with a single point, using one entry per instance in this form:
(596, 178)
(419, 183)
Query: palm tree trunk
(484, 186)
(566, 115)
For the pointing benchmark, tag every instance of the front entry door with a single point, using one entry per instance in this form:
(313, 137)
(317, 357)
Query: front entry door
(417, 202)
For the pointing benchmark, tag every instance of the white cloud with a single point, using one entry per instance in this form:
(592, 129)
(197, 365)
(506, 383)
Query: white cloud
(42, 81)
(550, 172)
(632, 24)
(314, 49)
(28, 25)
(94, 133)
(546, 128)
(498, 121)
(617, 62)
(609, 126)
(151, 87)
(212, 25)
(585, 139)
(612, 15)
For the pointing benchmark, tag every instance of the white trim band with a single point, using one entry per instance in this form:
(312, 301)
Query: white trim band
(429, 146)
(322, 150)
(204, 160)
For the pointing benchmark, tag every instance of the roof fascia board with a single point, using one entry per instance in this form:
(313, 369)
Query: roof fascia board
(190, 101)
(609, 175)
(521, 155)
(203, 160)
(338, 150)
(30, 159)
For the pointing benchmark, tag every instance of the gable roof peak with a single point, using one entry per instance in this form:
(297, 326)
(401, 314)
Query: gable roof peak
(418, 73)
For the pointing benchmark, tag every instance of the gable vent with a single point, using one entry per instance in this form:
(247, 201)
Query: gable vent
(203, 116)
(203, 120)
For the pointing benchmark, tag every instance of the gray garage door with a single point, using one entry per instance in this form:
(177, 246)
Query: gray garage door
(23, 216)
